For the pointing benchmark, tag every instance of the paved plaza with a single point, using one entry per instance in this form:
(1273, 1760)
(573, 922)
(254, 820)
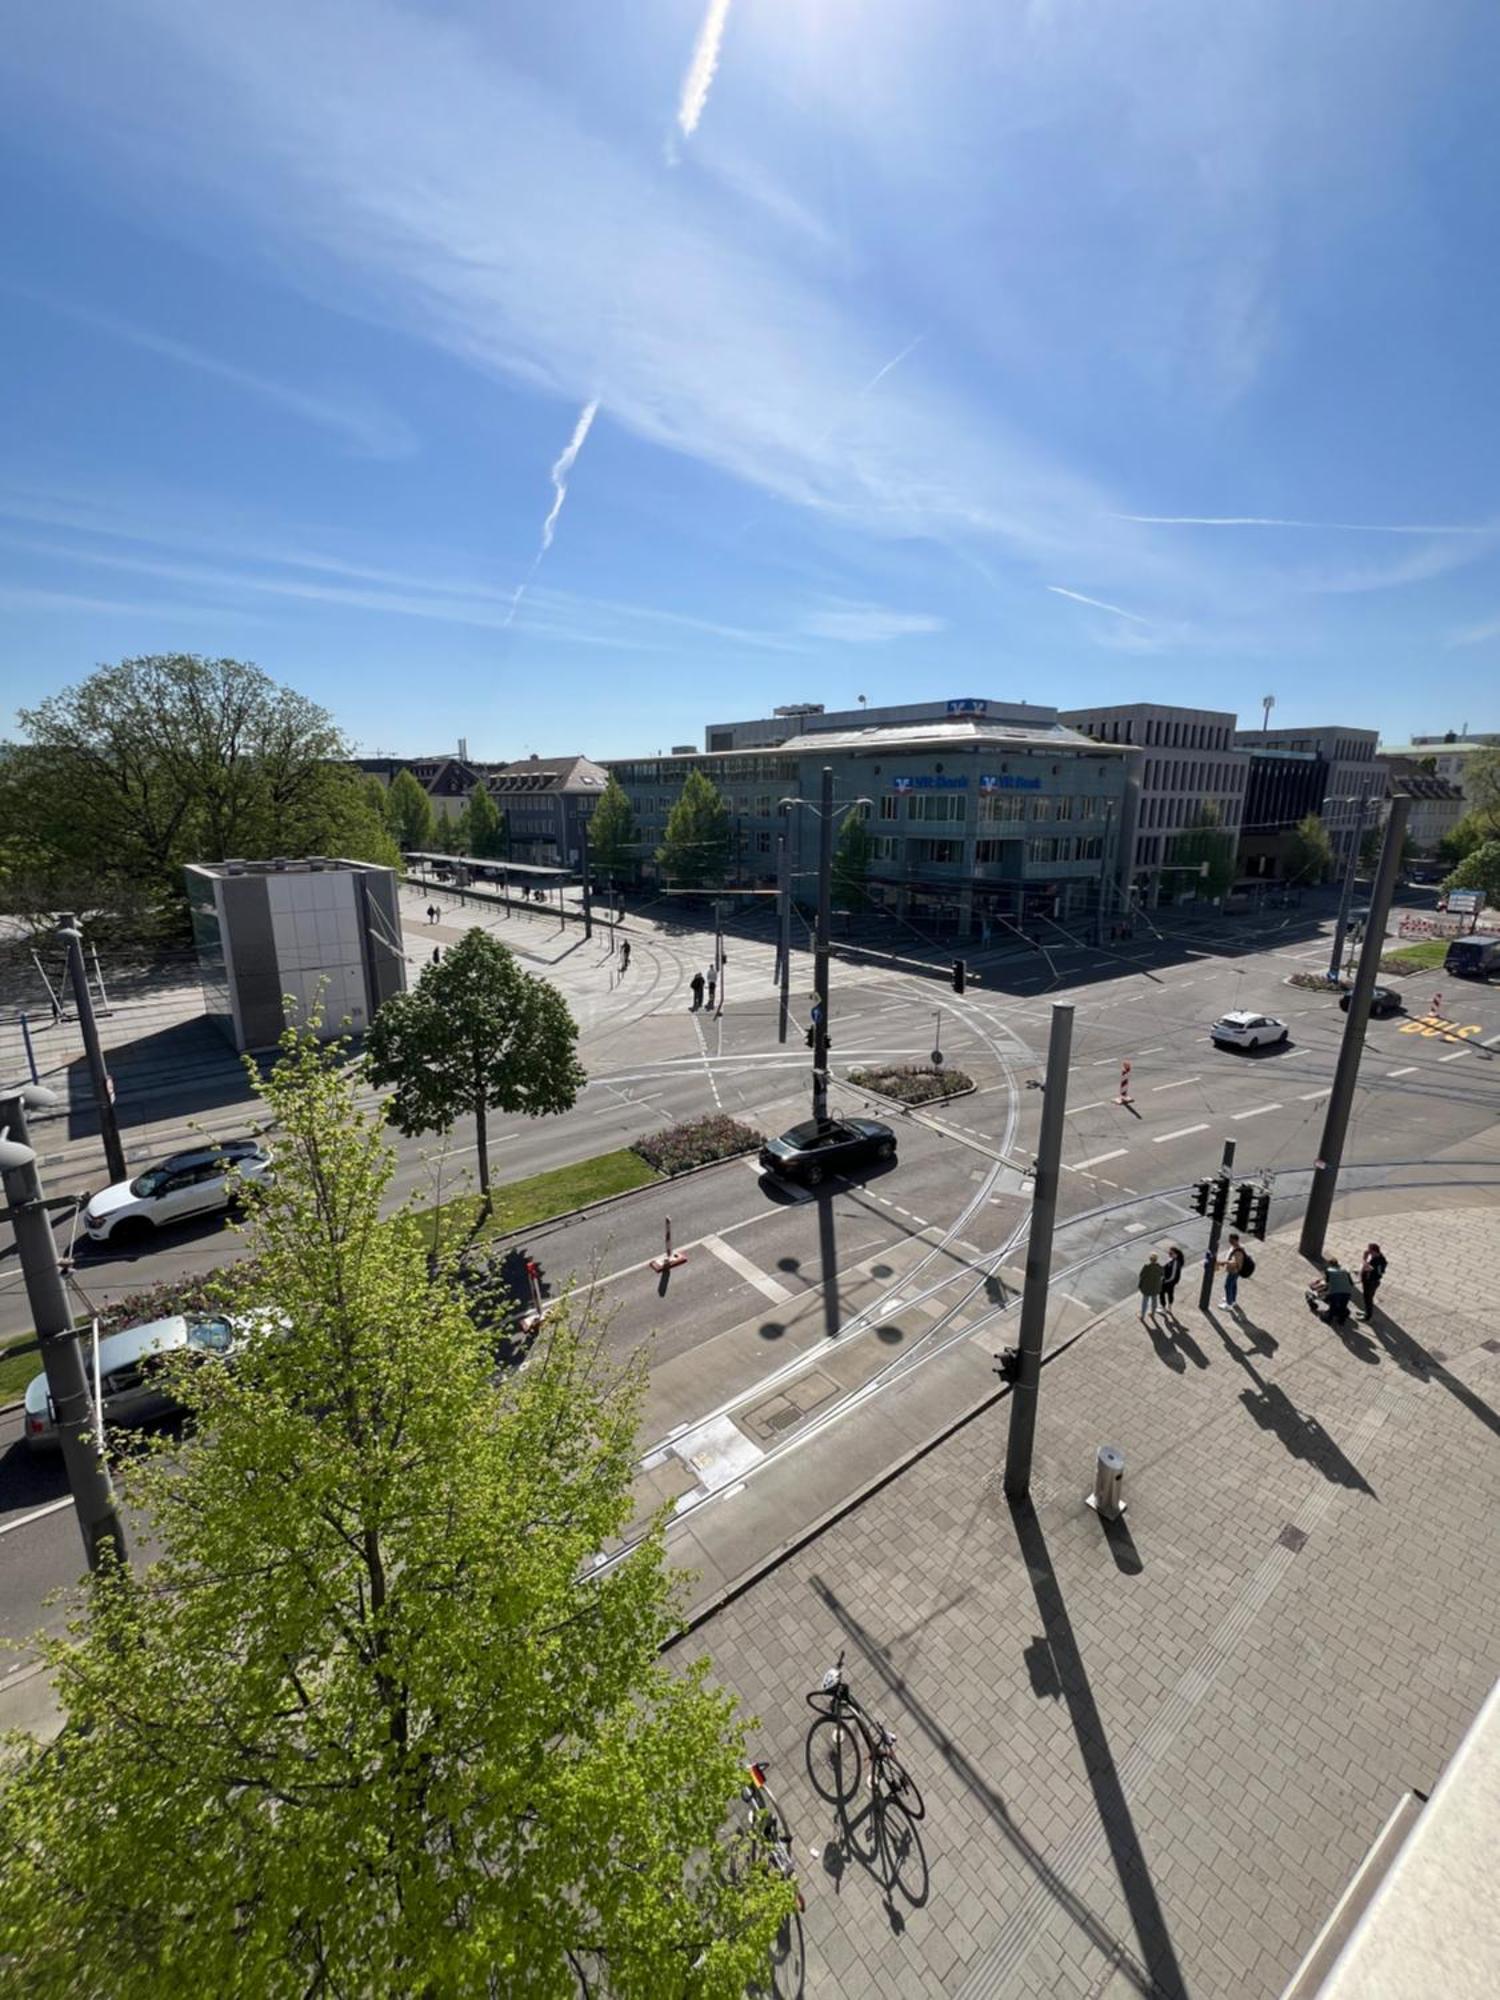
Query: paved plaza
(1153, 1756)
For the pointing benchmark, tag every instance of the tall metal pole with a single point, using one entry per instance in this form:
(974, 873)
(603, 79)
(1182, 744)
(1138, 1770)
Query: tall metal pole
(1023, 1397)
(784, 932)
(820, 959)
(1346, 1075)
(62, 1357)
(1346, 894)
(1215, 1231)
(83, 1000)
(583, 839)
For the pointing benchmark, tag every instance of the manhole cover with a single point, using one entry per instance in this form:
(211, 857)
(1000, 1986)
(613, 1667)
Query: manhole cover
(1293, 1538)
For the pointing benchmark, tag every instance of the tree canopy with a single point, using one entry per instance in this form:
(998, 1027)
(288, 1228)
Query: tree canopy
(1205, 845)
(694, 853)
(373, 1721)
(851, 861)
(475, 1034)
(612, 836)
(408, 812)
(1479, 869)
(1309, 851)
(167, 759)
(484, 824)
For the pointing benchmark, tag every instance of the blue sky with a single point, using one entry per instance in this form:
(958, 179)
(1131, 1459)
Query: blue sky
(1060, 349)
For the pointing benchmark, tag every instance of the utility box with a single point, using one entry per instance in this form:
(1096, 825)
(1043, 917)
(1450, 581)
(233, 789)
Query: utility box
(1107, 1498)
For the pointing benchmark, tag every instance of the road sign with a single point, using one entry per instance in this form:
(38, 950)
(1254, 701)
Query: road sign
(937, 1058)
(1465, 902)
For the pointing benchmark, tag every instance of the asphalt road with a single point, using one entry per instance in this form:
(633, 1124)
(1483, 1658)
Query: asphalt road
(759, 1254)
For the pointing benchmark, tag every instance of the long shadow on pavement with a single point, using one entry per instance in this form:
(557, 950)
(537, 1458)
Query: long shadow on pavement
(1428, 1366)
(978, 1786)
(1299, 1432)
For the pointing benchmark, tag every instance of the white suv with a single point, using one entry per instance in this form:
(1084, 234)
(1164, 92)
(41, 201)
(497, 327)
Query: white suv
(186, 1184)
(1243, 1030)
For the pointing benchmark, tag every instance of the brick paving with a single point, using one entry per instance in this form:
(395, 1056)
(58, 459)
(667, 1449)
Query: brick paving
(1152, 1756)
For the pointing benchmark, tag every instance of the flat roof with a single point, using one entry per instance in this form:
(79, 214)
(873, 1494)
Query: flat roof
(307, 864)
(490, 861)
(957, 734)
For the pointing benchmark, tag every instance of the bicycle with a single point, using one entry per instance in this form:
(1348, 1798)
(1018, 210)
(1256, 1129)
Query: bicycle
(830, 1762)
(768, 1836)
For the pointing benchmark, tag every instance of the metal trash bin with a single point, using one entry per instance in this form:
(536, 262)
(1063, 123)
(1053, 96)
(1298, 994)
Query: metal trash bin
(1109, 1481)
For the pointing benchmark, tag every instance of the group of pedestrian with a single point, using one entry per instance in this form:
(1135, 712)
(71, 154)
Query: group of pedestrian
(701, 983)
(1158, 1281)
(434, 914)
(1333, 1293)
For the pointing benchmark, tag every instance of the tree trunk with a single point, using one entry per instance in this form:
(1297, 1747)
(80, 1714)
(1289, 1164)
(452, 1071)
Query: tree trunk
(483, 1137)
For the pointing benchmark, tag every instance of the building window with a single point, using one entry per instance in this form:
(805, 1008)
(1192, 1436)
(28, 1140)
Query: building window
(1042, 808)
(1000, 806)
(1063, 808)
(762, 842)
(890, 805)
(943, 852)
(763, 805)
(883, 847)
(942, 806)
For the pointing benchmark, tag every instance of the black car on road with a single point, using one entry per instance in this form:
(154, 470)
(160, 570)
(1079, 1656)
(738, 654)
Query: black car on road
(1383, 1000)
(810, 1152)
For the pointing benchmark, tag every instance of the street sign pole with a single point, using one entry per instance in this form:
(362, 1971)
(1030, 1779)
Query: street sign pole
(1216, 1228)
(784, 932)
(820, 960)
(1023, 1398)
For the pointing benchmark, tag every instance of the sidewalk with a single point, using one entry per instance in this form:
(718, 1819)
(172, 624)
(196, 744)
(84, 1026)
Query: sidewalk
(1153, 1755)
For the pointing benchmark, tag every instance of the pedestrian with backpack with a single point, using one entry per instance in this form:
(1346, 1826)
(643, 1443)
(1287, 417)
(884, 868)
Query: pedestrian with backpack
(1371, 1272)
(1236, 1263)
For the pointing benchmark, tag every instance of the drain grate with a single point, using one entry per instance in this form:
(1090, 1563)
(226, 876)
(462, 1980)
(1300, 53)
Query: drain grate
(1293, 1538)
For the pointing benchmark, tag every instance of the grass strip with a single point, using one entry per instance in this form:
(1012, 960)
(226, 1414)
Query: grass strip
(19, 1361)
(522, 1204)
(1429, 952)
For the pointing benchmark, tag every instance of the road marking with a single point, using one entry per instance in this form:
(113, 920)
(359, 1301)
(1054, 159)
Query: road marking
(37, 1514)
(1312, 1096)
(1256, 1113)
(1405, 1071)
(1454, 1057)
(1160, 1049)
(1186, 1132)
(1181, 1083)
(1082, 1166)
(739, 1263)
(1098, 1104)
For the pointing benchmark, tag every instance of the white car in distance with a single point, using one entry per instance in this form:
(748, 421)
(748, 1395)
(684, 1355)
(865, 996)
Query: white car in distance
(195, 1182)
(1240, 1029)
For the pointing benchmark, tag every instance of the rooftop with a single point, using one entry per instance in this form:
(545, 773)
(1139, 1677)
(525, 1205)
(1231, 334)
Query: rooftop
(309, 864)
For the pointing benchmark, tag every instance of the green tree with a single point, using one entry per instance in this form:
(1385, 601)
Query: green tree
(612, 836)
(1309, 851)
(408, 811)
(475, 1034)
(1461, 840)
(851, 861)
(375, 794)
(371, 1721)
(694, 853)
(173, 758)
(1206, 846)
(486, 824)
(1482, 790)
(1479, 870)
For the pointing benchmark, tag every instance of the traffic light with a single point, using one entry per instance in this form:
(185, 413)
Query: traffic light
(1221, 1199)
(1009, 1369)
(812, 1036)
(1244, 1202)
(1260, 1214)
(960, 975)
(1202, 1195)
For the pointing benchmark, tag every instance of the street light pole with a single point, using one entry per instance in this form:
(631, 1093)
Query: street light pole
(1023, 1396)
(83, 1000)
(1346, 1075)
(583, 843)
(784, 932)
(62, 1358)
(1346, 895)
(820, 960)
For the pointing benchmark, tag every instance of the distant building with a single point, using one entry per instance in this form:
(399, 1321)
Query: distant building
(1281, 789)
(1185, 765)
(545, 801)
(325, 934)
(1434, 770)
(983, 814)
(448, 781)
(1355, 780)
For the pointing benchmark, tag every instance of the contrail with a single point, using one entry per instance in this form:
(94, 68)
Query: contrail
(698, 78)
(566, 459)
(895, 362)
(1264, 521)
(1097, 603)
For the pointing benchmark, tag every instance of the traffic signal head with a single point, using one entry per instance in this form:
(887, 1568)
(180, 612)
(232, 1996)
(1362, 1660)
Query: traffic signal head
(1244, 1202)
(960, 974)
(1260, 1214)
(1221, 1199)
(1202, 1195)
(1009, 1369)
(812, 1036)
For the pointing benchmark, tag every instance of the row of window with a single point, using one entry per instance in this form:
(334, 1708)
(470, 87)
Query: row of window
(1166, 775)
(948, 853)
(1157, 730)
(1171, 812)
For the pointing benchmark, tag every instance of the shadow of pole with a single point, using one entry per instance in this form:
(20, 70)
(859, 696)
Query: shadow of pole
(1110, 1802)
(1420, 1361)
(828, 1258)
(978, 1786)
(1300, 1433)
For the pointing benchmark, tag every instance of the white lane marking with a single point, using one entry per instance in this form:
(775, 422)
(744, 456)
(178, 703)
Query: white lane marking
(1406, 1071)
(739, 1263)
(1256, 1113)
(1186, 1132)
(1491, 1042)
(1098, 1104)
(1457, 1053)
(1082, 1166)
(1160, 1049)
(1312, 1096)
(1181, 1083)
(37, 1514)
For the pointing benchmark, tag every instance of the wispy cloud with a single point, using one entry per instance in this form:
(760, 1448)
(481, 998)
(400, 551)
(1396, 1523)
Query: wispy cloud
(371, 432)
(1097, 604)
(1476, 635)
(1321, 527)
(562, 465)
(868, 624)
(698, 77)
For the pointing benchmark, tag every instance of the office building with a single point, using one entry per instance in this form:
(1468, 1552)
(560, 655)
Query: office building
(323, 935)
(1356, 782)
(1183, 766)
(982, 813)
(1434, 772)
(545, 801)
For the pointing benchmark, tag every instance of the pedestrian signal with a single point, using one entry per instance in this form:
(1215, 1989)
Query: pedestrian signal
(1260, 1214)
(1009, 1369)
(960, 975)
(1220, 1200)
(1202, 1195)
(1244, 1202)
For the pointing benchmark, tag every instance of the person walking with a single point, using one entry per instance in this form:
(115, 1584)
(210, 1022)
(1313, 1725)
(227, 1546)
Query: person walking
(1148, 1284)
(437, 953)
(1232, 1264)
(1171, 1271)
(697, 986)
(1371, 1272)
(624, 956)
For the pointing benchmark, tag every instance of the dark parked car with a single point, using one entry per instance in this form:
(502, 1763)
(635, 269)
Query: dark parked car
(1384, 1000)
(810, 1152)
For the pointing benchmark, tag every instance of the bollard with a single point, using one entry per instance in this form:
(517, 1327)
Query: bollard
(531, 1320)
(1124, 1096)
(1437, 1006)
(670, 1258)
(1109, 1479)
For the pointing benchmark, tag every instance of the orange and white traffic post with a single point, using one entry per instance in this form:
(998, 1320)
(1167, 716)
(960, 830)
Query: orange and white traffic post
(1124, 1096)
(669, 1258)
(1437, 1006)
(531, 1319)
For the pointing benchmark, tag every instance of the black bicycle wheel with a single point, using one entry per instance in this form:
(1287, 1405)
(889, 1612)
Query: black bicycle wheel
(900, 1786)
(835, 1759)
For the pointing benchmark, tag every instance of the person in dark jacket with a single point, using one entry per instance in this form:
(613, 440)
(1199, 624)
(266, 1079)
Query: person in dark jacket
(696, 983)
(1171, 1271)
(1371, 1272)
(1148, 1284)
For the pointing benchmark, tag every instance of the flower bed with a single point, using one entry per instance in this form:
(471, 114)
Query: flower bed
(912, 1083)
(1318, 982)
(697, 1144)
